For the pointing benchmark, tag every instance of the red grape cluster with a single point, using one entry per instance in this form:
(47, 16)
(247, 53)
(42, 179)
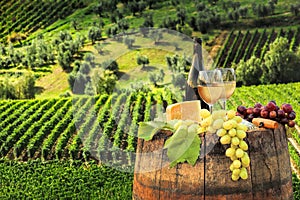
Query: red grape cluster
(283, 114)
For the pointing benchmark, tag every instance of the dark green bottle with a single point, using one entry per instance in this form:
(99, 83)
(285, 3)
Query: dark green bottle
(191, 92)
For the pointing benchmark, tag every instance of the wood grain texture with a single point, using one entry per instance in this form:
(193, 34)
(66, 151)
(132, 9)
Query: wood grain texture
(210, 179)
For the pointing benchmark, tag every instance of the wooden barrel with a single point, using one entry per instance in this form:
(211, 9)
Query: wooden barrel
(269, 172)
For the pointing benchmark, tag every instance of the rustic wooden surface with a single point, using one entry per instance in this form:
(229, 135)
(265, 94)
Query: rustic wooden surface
(269, 171)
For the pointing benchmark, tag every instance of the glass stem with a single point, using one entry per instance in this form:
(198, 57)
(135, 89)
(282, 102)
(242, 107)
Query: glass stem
(210, 108)
(224, 104)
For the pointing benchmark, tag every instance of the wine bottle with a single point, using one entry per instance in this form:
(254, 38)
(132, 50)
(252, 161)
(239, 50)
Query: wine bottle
(191, 92)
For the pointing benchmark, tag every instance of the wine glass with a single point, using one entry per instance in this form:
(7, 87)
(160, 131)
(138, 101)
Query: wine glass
(210, 86)
(229, 81)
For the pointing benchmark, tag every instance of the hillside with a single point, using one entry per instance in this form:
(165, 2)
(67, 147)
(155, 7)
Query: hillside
(99, 129)
(77, 77)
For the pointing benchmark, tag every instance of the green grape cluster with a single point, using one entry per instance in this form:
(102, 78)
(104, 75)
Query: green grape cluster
(232, 134)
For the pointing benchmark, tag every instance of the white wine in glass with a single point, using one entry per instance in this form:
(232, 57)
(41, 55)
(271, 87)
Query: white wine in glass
(210, 86)
(229, 81)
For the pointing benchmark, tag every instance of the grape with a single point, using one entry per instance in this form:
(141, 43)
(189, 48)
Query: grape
(264, 113)
(256, 112)
(204, 113)
(231, 167)
(233, 146)
(218, 123)
(272, 114)
(258, 105)
(244, 174)
(241, 134)
(287, 107)
(235, 141)
(238, 119)
(228, 125)
(233, 158)
(245, 160)
(232, 132)
(221, 132)
(242, 110)
(236, 172)
(271, 106)
(234, 177)
(239, 153)
(249, 111)
(201, 129)
(243, 145)
(226, 139)
(280, 113)
(206, 122)
(210, 130)
(231, 114)
(291, 123)
(284, 121)
(292, 116)
(240, 115)
(218, 114)
(242, 127)
(234, 123)
(236, 164)
(230, 152)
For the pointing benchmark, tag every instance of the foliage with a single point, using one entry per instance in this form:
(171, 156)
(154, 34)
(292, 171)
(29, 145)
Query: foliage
(20, 88)
(94, 34)
(104, 81)
(178, 63)
(179, 80)
(111, 65)
(63, 179)
(155, 78)
(278, 66)
(280, 63)
(128, 41)
(142, 60)
(248, 72)
(156, 35)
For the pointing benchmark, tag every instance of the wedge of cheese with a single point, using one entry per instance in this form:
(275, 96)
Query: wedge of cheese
(187, 110)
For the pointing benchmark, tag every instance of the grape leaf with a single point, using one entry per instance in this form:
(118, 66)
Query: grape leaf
(183, 146)
(147, 130)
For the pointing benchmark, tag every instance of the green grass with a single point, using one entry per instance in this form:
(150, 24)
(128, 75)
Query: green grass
(52, 85)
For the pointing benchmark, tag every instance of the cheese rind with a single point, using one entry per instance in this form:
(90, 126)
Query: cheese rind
(187, 110)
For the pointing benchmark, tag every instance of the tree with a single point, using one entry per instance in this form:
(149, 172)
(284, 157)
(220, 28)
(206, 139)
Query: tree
(94, 34)
(27, 84)
(249, 72)
(280, 63)
(104, 81)
(156, 35)
(85, 68)
(155, 78)
(133, 7)
(128, 41)
(142, 60)
(181, 15)
(111, 65)
(74, 24)
(123, 25)
(148, 21)
(178, 80)
(295, 9)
